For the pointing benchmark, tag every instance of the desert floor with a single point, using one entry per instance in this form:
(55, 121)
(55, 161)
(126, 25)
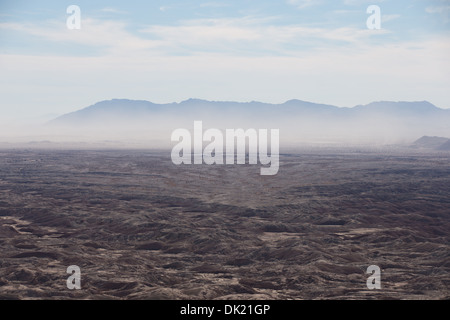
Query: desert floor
(140, 227)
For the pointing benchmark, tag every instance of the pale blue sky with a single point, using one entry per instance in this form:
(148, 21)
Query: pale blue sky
(271, 51)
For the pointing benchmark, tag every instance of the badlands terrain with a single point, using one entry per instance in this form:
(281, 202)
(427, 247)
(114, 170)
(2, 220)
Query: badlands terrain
(140, 227)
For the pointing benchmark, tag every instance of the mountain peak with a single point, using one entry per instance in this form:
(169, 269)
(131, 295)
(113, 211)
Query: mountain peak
(416, 105)
(194, 101)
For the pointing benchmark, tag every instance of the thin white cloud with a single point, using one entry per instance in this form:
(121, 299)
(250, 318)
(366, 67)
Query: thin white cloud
(438, 9)
(245, 35)
(302, 4)
(240, 36)
(214, 5)
(389, 17)
(111, 36)
(113, 10)
(344, 11)
(361, 2)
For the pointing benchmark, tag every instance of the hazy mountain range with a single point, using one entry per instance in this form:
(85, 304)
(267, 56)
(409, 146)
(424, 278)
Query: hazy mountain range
(434, 143)
(143, 123)
(382, 122)
(123, 110)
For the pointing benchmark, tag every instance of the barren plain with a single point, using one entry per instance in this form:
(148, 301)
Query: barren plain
(140, 227)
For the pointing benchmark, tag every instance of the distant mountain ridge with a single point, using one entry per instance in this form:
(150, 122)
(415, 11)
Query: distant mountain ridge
(137, 108)
(436, 143)
(415, 106)
(133, 108)
(380, 122)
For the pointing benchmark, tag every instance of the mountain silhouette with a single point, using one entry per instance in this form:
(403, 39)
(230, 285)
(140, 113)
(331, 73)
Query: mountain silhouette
(431, 142)
(299, 121)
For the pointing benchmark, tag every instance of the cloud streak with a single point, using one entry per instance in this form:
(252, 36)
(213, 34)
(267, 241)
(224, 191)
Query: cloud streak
(302, 4)
(238, 36)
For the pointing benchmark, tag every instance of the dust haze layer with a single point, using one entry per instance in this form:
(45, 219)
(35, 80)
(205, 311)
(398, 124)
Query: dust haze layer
(150, 124)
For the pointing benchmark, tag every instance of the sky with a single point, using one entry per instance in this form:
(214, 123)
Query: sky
(247, 50)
